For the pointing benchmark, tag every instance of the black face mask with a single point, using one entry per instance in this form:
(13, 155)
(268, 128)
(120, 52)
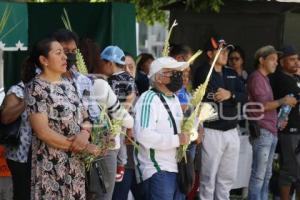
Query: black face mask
(176, 82)
(71, 60)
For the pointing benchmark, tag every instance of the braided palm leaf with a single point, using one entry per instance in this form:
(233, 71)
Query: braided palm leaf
(196, 55)
(167, 44)
(190, 125)
(80, 64)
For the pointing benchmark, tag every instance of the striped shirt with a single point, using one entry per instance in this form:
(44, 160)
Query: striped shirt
(155, 134)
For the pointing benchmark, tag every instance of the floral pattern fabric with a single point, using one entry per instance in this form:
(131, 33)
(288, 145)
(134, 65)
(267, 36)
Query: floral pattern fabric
(20, 153)
(56, 174)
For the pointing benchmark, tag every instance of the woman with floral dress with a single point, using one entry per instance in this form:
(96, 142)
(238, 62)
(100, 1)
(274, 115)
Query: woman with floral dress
(60, 126)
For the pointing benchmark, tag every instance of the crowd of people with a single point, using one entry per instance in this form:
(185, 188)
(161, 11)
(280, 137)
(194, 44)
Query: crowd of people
(59, 108)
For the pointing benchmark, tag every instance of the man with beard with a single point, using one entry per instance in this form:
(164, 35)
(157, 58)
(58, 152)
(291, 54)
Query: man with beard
(285, 82)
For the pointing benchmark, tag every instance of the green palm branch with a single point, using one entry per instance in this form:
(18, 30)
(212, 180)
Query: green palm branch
(167, 44)
(190, 125)
(4, 20)
(66, 20)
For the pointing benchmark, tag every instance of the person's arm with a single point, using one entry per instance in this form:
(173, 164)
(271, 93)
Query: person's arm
(240, 93)
(237, 94)
(93, 108)
(81, 139)
(105, 95)
(129, 101)
(38, 111)
(130, 94)
(272, 105)
(257, 90)
(39, 124)
(12, 108)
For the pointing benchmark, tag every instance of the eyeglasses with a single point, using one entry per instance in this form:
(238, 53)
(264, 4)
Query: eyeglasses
(166, 74)
(234, 58)
(171, 73)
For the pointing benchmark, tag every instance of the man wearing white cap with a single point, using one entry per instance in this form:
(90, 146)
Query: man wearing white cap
(157, 131)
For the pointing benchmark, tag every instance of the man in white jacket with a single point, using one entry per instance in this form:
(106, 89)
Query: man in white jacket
(155, 160)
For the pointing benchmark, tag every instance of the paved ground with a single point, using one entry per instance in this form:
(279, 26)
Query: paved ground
(6, 188)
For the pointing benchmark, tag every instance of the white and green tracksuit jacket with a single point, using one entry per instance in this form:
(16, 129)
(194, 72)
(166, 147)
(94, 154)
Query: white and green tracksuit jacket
(154, 133)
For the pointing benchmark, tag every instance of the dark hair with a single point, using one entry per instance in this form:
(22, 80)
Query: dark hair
(239, 50)
(128, 54)
(32, 62)
(64, 35)
(91, 54)
(179, 49)
(142, 58)
(120, 66)
(117, 64)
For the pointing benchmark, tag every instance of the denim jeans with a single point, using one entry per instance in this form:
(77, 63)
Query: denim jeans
(263, 153)
(163, 186)
(192, 148)
(122, 188)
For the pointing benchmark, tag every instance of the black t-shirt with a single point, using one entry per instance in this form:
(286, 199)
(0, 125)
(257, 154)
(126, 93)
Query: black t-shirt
(142, 82)
(282, 85)
(228, 109)
(122, 84)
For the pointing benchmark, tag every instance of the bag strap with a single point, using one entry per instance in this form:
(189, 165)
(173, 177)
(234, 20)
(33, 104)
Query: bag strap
(159, 94)
(20, 86)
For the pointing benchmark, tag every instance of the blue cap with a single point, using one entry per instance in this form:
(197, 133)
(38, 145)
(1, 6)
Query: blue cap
(113, 54)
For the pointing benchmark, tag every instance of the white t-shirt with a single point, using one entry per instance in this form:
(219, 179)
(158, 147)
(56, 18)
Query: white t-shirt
(154, 133)
(104, 95)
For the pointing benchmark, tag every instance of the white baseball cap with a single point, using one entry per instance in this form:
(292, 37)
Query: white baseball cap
(166, 63)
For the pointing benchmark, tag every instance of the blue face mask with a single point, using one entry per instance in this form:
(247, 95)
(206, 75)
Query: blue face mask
(176, 81)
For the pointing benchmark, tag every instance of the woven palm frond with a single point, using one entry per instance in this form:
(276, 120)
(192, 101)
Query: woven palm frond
(167, 44)
(80, 64)
(196, 55)
(201, 112)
